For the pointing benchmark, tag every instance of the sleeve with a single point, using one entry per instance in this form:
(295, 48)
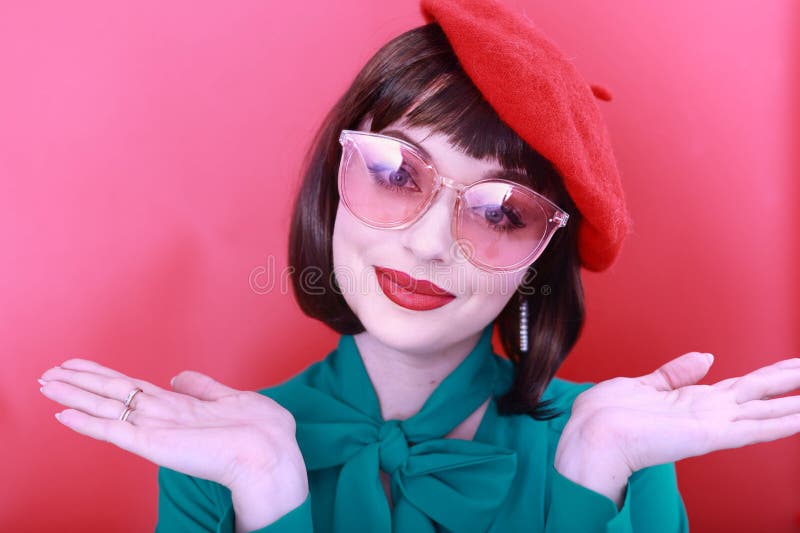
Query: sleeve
(187, 504)
(652, 503)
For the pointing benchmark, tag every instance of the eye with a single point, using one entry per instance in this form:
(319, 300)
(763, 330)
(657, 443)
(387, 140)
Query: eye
(400, 177)
(504, 217)
(395, 179)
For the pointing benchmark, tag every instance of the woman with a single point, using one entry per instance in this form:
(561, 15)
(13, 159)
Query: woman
(444, 191)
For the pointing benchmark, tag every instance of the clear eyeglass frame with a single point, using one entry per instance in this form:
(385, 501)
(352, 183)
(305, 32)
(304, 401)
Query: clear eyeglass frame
(556, 217)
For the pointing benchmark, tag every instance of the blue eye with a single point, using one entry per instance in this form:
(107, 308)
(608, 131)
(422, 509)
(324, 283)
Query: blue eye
(399, 180)
(399, 177)
(494, 215)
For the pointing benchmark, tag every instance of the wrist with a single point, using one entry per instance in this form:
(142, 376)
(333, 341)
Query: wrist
(255, 507)
(260, 499)
(584, 458)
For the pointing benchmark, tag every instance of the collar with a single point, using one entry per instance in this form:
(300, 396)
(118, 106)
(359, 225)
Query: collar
(455, 483)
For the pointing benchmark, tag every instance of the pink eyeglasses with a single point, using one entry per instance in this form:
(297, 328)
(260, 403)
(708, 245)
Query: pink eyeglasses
(499, 225)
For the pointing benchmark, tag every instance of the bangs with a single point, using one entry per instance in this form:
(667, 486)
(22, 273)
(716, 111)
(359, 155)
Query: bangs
(432, 91)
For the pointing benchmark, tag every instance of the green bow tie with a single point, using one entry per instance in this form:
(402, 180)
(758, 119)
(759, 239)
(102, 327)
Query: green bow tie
(436, 483)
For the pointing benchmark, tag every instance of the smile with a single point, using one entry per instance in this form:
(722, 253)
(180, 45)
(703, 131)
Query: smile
(411, 293)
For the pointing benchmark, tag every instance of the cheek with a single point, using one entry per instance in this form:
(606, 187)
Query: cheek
(337, 242)
(354, 250)
(347, 238)
(345, 257)
(496, 287)
(492, 293)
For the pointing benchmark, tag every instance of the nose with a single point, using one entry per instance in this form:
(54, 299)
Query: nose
(429, 238)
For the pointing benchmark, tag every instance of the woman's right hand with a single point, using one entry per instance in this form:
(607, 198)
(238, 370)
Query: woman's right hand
(242, 440)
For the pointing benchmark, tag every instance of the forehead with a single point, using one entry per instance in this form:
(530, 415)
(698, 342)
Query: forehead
(449, 160)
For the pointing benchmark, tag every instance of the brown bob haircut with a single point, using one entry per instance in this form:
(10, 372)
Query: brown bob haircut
(418, 78)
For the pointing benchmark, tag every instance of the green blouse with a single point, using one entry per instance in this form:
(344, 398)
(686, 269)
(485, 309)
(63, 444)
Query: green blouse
(501, 481)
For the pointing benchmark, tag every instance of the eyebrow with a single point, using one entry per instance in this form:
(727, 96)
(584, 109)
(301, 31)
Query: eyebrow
(523, 178)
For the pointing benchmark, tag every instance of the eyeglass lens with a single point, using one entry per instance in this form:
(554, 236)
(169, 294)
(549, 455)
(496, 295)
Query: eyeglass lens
(386, 184)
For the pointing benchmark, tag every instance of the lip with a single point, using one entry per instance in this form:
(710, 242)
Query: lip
(409, 292)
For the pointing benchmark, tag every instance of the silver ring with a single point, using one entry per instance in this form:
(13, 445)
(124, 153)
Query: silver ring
(126, 413)
(131, 394)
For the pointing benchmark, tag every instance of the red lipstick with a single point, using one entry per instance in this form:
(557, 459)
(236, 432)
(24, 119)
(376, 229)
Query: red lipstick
(411, 293)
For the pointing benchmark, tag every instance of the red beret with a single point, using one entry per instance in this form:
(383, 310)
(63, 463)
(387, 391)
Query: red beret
(539, 93)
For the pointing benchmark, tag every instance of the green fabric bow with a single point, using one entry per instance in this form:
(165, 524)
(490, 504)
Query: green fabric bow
(436, 483)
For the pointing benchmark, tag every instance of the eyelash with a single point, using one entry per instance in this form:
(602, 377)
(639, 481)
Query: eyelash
(376, 173)
(508, 227)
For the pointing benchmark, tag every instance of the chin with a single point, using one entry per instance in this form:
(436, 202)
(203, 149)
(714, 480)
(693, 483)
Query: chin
(408, 341)
(417, 331)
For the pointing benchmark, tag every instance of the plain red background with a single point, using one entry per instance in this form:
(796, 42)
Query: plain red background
(149, 152)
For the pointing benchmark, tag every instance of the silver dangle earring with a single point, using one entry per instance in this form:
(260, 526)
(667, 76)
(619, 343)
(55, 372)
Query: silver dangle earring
(523, 325)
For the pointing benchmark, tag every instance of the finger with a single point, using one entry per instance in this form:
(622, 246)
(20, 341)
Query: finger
(760, 409)
(150, 411)
(766, 382)
(746, 432)
(116, 388)
(86, 365)
(725, 383)
(87, 402)
(110, 430)
(158, 445)
(200, 386)
(793, 362)
(685, 370)
(786, 363)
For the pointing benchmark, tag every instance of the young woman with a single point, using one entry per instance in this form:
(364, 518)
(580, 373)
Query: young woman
(465, 170)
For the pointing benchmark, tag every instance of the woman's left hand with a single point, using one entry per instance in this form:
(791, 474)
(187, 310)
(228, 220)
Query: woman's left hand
(622, 425)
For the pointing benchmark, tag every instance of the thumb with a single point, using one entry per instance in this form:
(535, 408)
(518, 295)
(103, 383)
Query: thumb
(200, 386)
(685, 370)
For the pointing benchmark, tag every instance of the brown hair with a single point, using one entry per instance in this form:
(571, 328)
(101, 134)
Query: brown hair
(417, 77)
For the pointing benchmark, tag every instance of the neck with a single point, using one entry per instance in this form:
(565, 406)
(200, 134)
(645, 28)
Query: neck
(403, 381)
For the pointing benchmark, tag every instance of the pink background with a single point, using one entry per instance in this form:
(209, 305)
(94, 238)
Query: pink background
(149, 151)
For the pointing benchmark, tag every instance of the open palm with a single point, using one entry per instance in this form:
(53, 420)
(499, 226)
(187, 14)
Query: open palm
(664, 416)
(201, 428)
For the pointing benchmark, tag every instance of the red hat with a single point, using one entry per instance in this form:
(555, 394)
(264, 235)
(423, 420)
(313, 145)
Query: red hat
(539, 93)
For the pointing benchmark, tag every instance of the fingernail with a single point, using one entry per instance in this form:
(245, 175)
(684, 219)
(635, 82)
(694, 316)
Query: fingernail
(42, 382)
(172, 381)
(710, 358)
(58, 417)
